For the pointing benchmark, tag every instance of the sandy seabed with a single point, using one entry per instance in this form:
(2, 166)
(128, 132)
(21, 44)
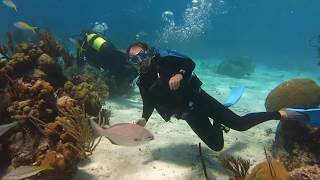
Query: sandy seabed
(174, 154)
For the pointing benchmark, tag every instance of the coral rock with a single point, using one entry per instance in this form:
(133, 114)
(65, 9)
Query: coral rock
(66, 102)
(22, 151)
(38, 74)
(306, 173)
(297, 144)
(295, 93)
(262, 171)
(67, 151)
(42, 88)
(50, 158)
(53, 129)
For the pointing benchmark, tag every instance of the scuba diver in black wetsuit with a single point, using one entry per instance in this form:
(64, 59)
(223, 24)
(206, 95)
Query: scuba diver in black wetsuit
(97, 51)
(167, 83)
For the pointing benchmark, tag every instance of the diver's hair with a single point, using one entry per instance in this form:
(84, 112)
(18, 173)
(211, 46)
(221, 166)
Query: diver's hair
(143, 45)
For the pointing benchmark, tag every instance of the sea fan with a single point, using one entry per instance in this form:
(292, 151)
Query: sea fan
(76, 124)
(238, 166)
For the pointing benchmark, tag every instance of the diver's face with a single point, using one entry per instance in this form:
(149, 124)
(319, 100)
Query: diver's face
(140, 59)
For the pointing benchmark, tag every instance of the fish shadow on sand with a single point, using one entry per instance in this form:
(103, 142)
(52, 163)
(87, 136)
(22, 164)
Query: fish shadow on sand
(82, 175)
(186, 155)
(85, 162)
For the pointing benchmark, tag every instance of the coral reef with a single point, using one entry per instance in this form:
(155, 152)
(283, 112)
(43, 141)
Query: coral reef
(53, 131)
(306, 173)
(118, 84)
(49, 45)
(88, 89)
(77, 129)
(29, 58)
(272, 170)
(238, 166)
(295, 93)
(53, 128)
(34, 101)
(238, 67)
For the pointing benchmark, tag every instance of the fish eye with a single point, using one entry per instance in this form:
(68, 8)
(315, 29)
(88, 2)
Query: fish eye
(150, 137)
(136, 139)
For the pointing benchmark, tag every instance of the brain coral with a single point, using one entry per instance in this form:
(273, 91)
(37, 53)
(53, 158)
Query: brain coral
(295, 93)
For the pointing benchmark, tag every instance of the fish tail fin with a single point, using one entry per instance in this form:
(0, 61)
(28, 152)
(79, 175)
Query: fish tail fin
(15, 8)
(35, 30)
(97, 130)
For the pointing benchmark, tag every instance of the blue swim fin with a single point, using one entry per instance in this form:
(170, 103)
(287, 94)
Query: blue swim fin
(313, 116)
(235, 95)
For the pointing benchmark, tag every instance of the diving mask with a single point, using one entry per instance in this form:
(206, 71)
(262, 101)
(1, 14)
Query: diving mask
(142, 60)
(140, 57)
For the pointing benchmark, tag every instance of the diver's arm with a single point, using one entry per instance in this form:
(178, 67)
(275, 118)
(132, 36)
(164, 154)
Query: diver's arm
(185, 66)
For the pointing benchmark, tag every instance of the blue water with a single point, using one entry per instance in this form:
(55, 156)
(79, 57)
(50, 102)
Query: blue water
(272, 32)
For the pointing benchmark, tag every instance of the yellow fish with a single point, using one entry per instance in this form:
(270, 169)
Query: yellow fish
(25, 26)
(10, 4)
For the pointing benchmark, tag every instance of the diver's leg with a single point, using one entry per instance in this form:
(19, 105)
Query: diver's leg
(224, 115)
(201, 125)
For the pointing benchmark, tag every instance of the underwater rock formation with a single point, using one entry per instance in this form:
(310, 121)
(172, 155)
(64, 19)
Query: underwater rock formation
(306, 173)
(296, 144)
(295, 93)
(238, 67)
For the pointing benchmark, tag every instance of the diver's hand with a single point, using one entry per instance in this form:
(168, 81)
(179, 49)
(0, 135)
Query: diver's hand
(141, 122)
(174, 82)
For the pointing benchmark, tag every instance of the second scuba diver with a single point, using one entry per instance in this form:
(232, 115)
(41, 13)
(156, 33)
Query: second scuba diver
(97, 51)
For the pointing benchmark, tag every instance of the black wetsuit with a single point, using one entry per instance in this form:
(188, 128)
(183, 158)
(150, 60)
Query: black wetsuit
(190, 102)
(112, 61)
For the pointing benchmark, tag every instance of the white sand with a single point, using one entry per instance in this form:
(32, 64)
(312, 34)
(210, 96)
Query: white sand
(173, 155)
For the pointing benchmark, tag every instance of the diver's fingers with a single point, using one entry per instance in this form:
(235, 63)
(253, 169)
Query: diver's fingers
(172, 87)
(171, 84)
(176, 83)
